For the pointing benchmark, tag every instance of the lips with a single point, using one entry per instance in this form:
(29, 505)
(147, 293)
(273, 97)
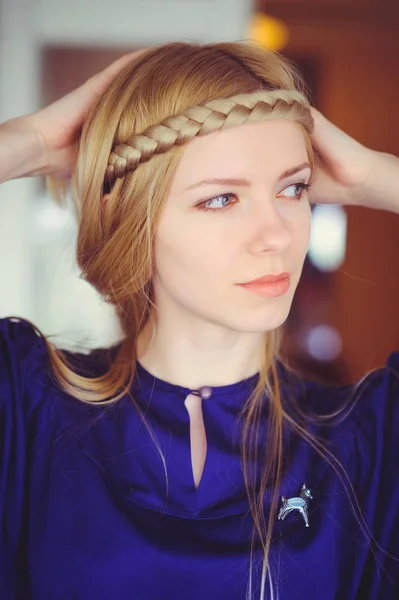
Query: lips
(267, 279)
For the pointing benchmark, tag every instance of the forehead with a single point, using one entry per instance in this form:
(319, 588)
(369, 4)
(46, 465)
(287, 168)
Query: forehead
(268, 146)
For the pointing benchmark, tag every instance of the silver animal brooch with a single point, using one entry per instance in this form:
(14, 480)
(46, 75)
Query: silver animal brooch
(297, 503)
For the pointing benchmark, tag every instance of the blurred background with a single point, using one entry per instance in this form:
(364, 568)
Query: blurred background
(345, 317)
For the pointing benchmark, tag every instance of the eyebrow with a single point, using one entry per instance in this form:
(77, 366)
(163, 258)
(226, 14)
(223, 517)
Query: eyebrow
(245, 182)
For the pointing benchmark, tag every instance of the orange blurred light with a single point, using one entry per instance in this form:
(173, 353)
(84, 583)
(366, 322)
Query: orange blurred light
(268, 32)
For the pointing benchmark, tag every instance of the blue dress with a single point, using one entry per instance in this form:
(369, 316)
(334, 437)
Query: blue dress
(86, 512)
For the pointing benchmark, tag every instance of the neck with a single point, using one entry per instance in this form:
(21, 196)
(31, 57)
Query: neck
(198, 354)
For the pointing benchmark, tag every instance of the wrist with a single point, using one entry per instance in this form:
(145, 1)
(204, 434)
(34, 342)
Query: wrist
(379, 188)
(21, 152)
(384, 182)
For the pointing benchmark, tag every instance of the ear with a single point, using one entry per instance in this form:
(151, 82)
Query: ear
(104, 200)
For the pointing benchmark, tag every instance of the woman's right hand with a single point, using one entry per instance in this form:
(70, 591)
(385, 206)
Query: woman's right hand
(350, 173)
(45, 142)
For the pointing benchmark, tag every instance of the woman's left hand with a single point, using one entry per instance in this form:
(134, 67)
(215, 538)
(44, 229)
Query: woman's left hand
(349, 173)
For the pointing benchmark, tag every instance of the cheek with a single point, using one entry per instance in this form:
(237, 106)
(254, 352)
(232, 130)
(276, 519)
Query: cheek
(304, 234)
(308, 227)
(301, 229)
(191, 255)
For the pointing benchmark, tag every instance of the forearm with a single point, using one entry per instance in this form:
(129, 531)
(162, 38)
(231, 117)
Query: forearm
(381, 190)
(20, 151)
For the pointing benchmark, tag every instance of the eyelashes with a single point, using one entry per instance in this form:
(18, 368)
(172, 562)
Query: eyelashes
(203, 206)
(303, 187)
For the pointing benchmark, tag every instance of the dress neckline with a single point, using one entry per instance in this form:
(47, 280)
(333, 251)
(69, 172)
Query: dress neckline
(157, 384)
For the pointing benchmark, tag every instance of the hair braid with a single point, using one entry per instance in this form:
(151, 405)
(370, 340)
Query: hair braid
(214, 115)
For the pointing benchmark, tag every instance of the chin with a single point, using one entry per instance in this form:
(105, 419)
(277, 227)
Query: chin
(265, 318)
(262, 325)
(257, 322)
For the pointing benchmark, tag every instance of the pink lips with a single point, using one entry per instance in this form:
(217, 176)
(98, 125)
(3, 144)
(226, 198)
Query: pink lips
(268, 278)
(269, 285)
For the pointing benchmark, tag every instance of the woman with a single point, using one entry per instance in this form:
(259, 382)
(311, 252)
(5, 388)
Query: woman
(188, 462)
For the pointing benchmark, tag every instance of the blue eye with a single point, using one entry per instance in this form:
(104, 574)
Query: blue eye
(221, 199)
(297, 186)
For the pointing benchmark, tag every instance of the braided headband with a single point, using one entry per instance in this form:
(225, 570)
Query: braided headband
(215, 115)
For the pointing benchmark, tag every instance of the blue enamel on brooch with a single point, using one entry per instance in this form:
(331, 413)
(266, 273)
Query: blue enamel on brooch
(298, 503)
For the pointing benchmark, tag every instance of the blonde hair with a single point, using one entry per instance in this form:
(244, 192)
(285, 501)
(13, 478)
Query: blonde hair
(129, 148)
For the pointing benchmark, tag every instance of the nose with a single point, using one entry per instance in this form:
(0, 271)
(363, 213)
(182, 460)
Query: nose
(270, 232)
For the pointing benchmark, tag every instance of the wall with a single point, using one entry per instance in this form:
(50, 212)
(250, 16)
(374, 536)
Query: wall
(29, 255)
(356, 47)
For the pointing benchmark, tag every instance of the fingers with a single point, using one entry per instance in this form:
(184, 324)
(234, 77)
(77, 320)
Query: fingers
(60, 122)
(325, 134)
(329, 139)
(57, 126)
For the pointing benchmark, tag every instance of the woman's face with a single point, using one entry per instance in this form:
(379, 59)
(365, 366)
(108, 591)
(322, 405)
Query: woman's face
(259, 225)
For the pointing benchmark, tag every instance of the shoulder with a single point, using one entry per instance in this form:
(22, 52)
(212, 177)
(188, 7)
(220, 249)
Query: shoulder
(364, 437)
(34, 410)
(23, 418)
(28, 389)
(377, 396)
(376, 392)
(18, 337)
(374, 424)
(360, 422)
(23, 358)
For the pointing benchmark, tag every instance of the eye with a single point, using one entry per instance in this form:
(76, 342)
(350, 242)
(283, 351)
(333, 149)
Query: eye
(297, 189)
(223, 201)
(219, 202)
